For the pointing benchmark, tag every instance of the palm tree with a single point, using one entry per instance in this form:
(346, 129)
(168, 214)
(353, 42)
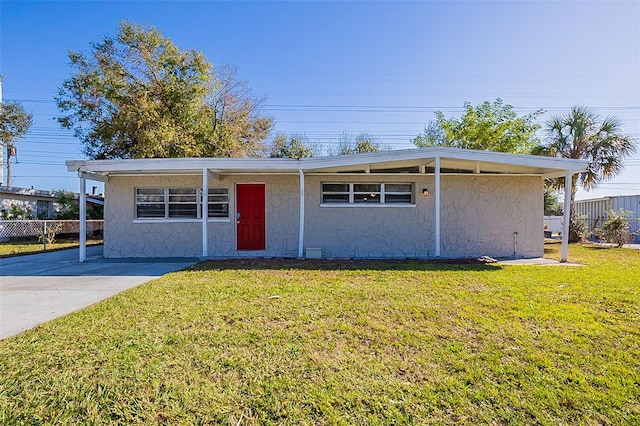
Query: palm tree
(581, 135)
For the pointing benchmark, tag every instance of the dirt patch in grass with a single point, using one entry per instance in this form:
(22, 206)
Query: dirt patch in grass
(337, 264)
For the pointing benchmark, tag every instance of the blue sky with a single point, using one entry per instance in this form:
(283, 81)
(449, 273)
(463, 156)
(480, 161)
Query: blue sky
(333, 68)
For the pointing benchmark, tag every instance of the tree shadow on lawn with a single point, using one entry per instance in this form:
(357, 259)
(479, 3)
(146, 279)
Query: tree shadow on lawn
(346, 265)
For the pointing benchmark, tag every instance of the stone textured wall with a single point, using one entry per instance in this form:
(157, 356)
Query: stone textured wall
(481, 214)
(282, 218)
(125, 238)
(370, 231)
(479, 217)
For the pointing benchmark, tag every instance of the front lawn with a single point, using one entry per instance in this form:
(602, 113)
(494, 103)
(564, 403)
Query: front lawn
(370, 342)
(19, 248)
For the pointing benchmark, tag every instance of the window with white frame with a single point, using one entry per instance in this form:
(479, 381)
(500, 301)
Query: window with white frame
(151, 203)
(180, 203)
(367, 193)
(218, 202)
(183, 202)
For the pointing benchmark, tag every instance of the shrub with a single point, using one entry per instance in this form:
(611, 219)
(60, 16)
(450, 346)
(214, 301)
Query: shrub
(616, 228)
(17, 212)
(577, 228)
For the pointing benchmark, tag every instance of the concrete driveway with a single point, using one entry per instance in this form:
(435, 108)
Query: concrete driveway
(40, 287)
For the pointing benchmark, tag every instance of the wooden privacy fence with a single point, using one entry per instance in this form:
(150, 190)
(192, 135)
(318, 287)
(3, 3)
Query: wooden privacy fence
(47, 230)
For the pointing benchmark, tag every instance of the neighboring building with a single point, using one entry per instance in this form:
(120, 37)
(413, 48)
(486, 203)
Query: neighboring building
(595, 210)
(416, 203)
(41, 203)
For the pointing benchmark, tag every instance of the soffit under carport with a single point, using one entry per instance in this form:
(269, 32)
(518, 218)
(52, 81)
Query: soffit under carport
(447, 165)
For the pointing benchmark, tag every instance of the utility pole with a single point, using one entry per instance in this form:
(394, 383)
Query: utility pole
(16, 121)
(3, 148)
(6, 151)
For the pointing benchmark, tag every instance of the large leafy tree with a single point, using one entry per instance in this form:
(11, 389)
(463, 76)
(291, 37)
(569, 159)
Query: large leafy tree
(137, 95)
(15, 122)
(292, 147)
(363, 143)
(581, 134)
(490, 126)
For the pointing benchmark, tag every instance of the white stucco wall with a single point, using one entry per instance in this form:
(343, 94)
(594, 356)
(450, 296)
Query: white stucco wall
(370, 231)
(282, 218)
(479, 217)
(126, 237)
(28, 202)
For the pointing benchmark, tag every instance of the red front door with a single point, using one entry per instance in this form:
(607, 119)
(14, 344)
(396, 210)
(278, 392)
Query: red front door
(250, 216)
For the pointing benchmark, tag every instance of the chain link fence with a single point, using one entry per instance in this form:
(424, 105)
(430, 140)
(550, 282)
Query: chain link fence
(47, 231)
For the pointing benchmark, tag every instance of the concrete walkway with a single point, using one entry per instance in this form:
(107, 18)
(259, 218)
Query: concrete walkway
(541, 261)
(40, 287)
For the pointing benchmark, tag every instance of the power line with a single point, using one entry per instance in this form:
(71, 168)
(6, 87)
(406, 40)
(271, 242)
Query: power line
(457, 108)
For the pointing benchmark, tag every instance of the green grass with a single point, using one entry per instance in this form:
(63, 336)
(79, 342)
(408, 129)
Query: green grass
(344, 343)
(19, 248)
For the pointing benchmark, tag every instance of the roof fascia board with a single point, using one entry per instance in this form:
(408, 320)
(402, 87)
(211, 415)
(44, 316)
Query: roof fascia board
(518, 159)
(93, 176)
(192, 164)
(445, 153)
(309, 164)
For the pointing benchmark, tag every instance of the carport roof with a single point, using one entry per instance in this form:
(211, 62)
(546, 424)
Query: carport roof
(418, 160)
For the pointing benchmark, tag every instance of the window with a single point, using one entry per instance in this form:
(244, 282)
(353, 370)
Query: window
(183, 202)
(218, 202)
(150, 203)
(399, 193)
(367, 193)
(335, 192)
(180, 203)
(43, 209)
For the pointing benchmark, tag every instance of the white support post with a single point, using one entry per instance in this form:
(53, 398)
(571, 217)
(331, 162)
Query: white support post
(437, 206)
(567, 216)
(301, 230)
(205, 213)
(83, 218)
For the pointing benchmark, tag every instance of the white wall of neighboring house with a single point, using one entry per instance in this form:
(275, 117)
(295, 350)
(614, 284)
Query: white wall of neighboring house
(41, 203)
(554, 224)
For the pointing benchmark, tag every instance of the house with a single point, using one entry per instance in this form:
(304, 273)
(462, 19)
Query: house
(38, 203)
(415, 203)
(594, 211)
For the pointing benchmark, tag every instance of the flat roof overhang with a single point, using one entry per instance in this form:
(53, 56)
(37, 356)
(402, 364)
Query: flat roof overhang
(402, 161)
